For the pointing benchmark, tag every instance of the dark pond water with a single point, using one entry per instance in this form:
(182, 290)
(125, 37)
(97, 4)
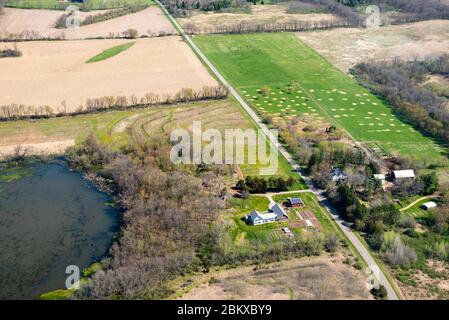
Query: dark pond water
(50, 218)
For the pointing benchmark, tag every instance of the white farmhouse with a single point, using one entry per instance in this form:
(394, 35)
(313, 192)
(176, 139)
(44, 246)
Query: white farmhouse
(255, 217)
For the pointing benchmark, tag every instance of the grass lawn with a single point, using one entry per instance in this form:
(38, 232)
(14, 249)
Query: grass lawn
(302, 82)
(57, 5)
(416, 212)
(243, 236)
(109, 53)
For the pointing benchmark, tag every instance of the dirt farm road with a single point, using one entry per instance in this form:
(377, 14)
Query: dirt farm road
(417, 201)
(376, 271)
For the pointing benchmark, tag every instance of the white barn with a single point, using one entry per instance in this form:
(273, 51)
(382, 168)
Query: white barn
(429, 205)
(403, 174)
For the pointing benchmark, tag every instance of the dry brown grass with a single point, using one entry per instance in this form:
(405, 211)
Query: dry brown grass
(50, 72)
(322, 278)
(347, 47)
(438, 79)
(428, 288)
(260, 14)
(42, 21)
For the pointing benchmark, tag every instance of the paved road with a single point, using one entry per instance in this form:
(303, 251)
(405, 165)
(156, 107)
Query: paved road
(377, 273)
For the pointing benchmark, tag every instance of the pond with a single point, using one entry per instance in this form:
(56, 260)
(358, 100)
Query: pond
(50, 217)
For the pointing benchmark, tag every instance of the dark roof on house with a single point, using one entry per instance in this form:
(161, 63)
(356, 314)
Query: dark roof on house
(279, 211)
(295, 200)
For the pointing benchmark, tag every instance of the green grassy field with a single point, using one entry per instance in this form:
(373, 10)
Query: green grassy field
(118, 128)
(57, 5)
(416, 211)
(111, 52)
(302, 82)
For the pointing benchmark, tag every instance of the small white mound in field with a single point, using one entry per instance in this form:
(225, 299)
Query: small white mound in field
(50, 72)
(42, 21)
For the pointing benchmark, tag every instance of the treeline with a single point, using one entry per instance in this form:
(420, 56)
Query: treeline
(84, 5)
(410, 10)
(251, 27)
(2, 5)
(183, 8)
(21, 111)
(399, 83)
(28, 35)
(303, 7)
(344, 12)
(127, 9)
(418, 10)
(262, 185)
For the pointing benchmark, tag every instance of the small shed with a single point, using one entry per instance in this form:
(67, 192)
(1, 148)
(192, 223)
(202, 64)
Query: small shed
(428, 205)
(295, 202)
(379, 176)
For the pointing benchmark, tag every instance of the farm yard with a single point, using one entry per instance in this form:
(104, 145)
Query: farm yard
(17, 22)
(243, 237)
(311, 210)
(55, 73)
(281, 76)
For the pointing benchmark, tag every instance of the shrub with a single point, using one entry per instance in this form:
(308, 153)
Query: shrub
(130, 33)
(380, 292)
(331, 242)
(10, 53)
(399, 254)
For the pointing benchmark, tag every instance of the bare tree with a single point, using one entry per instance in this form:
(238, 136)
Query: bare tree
(2, 4)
